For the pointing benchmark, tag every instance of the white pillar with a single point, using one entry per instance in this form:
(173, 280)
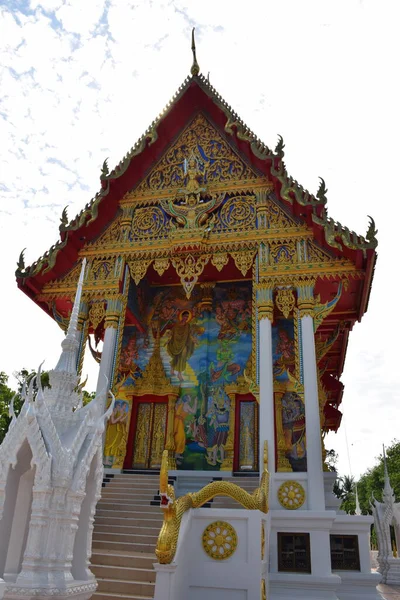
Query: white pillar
(316, 495)
(113, 313)
(265, 370)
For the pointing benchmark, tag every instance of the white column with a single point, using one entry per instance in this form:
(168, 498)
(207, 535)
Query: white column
(113, 313)
(265, 370)
(316, 495)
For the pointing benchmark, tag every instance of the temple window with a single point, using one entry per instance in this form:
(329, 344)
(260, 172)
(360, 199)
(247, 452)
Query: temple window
(344, 553)
(294, 552)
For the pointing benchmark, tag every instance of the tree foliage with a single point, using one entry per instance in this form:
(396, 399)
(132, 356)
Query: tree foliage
(371, 483)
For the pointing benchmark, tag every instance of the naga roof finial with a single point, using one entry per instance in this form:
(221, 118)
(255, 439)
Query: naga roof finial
(195, 70)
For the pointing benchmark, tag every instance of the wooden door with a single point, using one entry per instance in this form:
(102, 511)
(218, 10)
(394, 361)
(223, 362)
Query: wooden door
(246, 435)
(150, 431)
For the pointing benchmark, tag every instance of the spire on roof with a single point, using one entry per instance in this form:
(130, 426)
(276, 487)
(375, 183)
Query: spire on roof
(358, 509)
(195, 70)
(67, 360)
(388, 495)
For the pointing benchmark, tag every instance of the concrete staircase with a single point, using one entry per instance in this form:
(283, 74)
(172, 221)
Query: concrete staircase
(127, 523)
(124, 538)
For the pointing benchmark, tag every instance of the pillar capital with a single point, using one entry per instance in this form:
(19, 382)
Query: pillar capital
(265, 300)
(113, 312)
(305, 297)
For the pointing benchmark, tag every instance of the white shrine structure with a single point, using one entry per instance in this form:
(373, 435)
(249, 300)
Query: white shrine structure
(51, 470)
(387, 514)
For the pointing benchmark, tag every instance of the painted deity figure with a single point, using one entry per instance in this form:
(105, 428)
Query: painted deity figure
(181, 343)
(294, 425)
(219, 420)
(117, 429)
(183, 408)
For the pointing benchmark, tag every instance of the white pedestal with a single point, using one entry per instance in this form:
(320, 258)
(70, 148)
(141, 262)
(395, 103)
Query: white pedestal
(78, 590)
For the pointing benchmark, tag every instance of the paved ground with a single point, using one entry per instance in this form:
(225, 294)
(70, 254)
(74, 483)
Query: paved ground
(389, 592)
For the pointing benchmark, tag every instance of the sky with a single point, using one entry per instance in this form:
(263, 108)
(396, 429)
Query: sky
(81, 81)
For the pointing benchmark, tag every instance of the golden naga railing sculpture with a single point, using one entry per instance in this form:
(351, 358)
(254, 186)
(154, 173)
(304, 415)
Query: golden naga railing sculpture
(174, 509)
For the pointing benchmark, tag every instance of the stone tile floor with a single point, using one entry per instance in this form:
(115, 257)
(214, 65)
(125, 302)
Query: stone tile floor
(389, 592)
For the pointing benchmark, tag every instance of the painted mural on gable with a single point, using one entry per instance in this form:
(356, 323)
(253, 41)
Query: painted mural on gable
(204, 343)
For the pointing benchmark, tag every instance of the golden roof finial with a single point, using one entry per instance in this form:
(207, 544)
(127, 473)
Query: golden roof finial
(195, 70)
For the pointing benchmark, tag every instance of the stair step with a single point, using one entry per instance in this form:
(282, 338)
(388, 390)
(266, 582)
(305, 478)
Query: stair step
(125, 529)
(135, 538)
(123, 546)
(120, 586)
(138, 504)
(124, 573)
(112, 596)
(155, 522)
(113, 496)
(140, 560)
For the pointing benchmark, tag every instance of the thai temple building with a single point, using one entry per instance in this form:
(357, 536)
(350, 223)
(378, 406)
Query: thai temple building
(218, 299)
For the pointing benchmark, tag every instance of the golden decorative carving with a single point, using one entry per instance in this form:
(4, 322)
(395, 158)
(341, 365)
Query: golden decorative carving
(219, 260)
(305, 297)
(315, 254)
(112, 235)
(174, 509)
(243, 261)
(100, 270)
(282, 464)
(283, 253)
(262, 540)
(158, 435)
(154, 380)
(219, 540)
(291, 495)
(264, 301)
(220, 162)
(263, 590)
(161, 265)
(238, 212)
(142, 438)
(285, 301)
(189, 270)
(148, 222)
(97, 312)
(138, 269)
(227, 464)
(321, 311)
(170, 441)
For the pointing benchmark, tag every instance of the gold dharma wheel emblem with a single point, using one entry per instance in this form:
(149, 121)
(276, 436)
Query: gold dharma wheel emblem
(219, 540)
(291, 495)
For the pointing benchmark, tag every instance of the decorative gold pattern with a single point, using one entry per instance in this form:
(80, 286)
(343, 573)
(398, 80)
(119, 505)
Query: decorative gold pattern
(219, 540)
(142, 437)
(220, 260)
(263, 590)
(243, 261)
(220, 162)
(154, 380)
(262, 540)
(285, 301)
(161, 265)
(138, 269)
(147, 222)
(189, 270)
(291, 495)
(97, 312)
(238, 212)
(158, 434)
(175, 509)
(283, 252)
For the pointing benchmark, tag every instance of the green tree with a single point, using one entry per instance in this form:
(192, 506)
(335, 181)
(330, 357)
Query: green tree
(6, 395)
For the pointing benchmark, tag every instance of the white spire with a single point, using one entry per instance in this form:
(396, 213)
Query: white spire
(388, 495)
(70, 345)
(358, 509)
